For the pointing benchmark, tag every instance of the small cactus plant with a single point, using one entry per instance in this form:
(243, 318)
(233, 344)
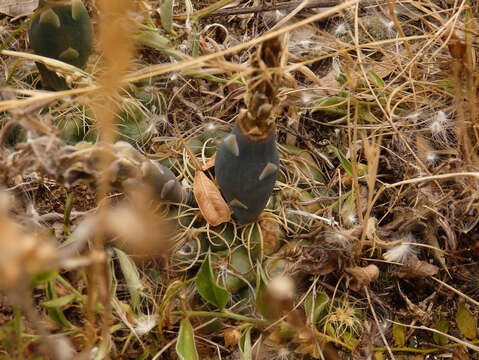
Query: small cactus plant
(62, 32)
(247, 160)
(246, 171)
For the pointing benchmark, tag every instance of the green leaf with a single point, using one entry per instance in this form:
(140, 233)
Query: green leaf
(42, 277)
(261, 282)
(189, 7)
(152, 39)
(334, 105)
(376, 79)
(67, 213)
(207, 286)
(399, 333)
(466, 322)
(55, 313)
(443, 326)
(166, 14)
(350, 339)
(8, 336)
(344, 162)
(195, 46)
(185, 346)
(132, 277)
(319, 305)
(244, 344)
(58, 302)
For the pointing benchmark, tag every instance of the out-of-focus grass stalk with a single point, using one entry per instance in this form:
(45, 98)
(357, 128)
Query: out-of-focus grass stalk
(472, 79)
(116, 28)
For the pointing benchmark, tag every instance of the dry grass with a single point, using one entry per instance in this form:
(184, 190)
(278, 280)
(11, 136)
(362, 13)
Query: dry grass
(367, 247)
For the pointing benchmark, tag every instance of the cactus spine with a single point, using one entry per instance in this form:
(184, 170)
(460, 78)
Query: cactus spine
(62, 32)
(247, 160)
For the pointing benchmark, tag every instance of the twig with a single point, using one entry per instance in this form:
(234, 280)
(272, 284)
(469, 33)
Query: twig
(456, 291)
(433, 177)
(378, 325)
(453, 338)
(281, 6)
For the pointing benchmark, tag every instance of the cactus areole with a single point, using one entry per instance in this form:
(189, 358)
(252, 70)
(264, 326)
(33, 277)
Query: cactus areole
(246, 171)
(62, 32)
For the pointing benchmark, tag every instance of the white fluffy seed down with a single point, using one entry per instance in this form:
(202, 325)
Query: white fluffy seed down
(402, 252)
(281, 287)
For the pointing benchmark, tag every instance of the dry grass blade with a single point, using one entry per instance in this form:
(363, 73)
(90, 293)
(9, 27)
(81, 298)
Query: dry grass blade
(18, 7)
(212, 205)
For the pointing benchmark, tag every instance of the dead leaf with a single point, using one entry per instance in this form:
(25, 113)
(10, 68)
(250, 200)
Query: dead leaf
(212, 205)
(430, 236)
(16, 8)
(362, 276)
(209, 163)
(415, 268)
(450, 234)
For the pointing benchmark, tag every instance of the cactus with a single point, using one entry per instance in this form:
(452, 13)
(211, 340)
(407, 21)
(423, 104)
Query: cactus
(247, 160)
(163, 183)
(62, 32)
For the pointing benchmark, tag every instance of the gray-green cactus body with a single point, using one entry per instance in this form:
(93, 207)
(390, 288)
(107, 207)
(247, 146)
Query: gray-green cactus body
(163, 183)
(246, 171)
(62, 32)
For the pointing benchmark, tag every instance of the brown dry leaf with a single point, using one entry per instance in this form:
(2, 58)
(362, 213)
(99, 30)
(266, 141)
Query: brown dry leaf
(329, 82)
(362, 276)
(450, 234)
(430, 236)
(385, 67)
(18, 7)
(415, 268)
(209, 163)
(212, 205)
(271, 231)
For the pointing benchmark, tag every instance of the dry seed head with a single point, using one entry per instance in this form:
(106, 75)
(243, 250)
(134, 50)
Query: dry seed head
(259, 121)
